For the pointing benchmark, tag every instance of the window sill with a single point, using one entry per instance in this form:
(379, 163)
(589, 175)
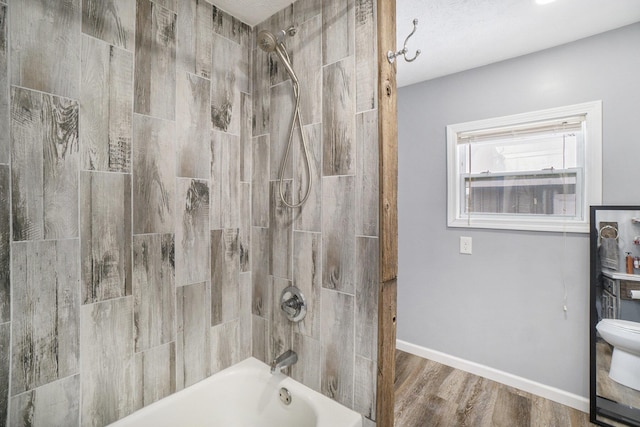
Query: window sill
(521, 224)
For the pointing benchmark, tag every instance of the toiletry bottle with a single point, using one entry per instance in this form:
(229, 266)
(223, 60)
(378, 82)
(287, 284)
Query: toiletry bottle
(629, 263)
(636, 263)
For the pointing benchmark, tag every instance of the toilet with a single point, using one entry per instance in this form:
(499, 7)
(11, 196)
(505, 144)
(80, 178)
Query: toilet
(624, 336)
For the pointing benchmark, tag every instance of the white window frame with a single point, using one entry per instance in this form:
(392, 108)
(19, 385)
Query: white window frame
(592, 172)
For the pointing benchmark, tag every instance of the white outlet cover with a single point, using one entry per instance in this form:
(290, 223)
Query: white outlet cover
(466, 245)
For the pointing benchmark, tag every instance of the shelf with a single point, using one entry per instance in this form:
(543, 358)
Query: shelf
(616, 275)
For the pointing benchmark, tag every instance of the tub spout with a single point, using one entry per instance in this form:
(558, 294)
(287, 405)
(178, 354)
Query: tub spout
(283, 361)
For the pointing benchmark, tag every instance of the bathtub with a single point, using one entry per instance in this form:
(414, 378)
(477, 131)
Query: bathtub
(244, 395)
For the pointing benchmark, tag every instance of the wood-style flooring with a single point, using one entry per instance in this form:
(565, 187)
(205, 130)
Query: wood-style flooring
(430, 394)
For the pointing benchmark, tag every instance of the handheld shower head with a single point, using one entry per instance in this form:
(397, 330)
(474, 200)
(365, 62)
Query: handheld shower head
(267, 41)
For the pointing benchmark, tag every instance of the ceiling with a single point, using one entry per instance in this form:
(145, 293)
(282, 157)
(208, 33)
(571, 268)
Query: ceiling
(457, 35)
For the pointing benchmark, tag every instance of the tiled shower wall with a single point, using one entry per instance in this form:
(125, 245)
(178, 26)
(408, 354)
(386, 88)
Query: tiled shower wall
(124, 204)
(329, 247)
(139, 152)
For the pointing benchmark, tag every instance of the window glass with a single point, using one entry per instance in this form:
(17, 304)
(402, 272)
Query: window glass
(534, 171)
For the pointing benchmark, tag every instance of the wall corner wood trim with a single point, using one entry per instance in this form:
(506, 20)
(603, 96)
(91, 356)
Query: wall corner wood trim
(386, 353)
(388, 140)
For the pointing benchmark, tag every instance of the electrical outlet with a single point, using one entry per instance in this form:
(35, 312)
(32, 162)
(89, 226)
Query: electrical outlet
(465, 245)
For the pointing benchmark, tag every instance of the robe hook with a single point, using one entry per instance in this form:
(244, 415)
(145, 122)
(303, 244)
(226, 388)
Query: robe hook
(391, 57)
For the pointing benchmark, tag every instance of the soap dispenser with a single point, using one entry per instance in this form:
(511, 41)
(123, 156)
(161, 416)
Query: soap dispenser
(629, 263)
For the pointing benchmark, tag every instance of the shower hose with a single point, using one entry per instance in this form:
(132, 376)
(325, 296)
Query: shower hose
(296, 117)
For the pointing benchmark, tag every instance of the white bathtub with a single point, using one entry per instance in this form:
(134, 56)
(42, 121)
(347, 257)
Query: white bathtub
(244, 395)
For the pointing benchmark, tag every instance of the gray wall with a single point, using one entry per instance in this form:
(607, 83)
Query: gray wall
(502, 306)
(329, 247)
(139, 150)
(120, 252)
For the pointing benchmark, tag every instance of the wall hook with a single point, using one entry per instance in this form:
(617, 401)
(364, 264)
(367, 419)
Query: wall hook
(392, 56)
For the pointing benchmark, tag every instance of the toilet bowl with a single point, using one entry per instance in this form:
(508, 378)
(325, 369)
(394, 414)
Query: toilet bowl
(624, 336)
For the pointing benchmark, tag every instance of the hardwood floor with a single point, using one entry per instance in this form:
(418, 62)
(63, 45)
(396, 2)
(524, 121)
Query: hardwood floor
(430, 394)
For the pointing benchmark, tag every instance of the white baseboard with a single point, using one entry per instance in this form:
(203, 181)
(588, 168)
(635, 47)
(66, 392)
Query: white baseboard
(555, 394)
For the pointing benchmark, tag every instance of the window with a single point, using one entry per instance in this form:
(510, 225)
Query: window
(531, 171)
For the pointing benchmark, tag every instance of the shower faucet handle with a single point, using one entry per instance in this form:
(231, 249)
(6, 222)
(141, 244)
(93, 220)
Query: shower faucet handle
(293, 304)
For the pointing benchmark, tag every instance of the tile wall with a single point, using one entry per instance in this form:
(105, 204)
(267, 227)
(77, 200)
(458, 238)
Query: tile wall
(142, 243)
(329, 247)
(120, 204)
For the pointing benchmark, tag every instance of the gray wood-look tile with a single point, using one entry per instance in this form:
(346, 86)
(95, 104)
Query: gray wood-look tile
(244, 321)
(261, 92)
(338, 346)
(225, 89)
(155, 60)
(244, 82)
(337, 30)
(153, 289)
(308, 217)
(225, 180)
(428, 392)
(27, 164)
(511, 406)
(307, 62)
(42, 34)
(44, 158)
(338, 118)
(280, 231)
(307, 370)
(153, 175)
(282, 105)
(260, 182)
(157, 376)
(306, 9)
(106, 91)
(194, 37)
(547, 413)
(5, 245)
(246, 141)
(307, 276)
(261, 279)
(109, 377)
(112, 21)
(224, 345)
(338, 237)
(367, 175)
(260, 338)
(193, 126)
(244, 236)
(231, 27)
(105, 235)
(281, 327)
(193, 349)
(46, 298)
(366, 49)
(225, 271)
(5, 142)
(169, 4)
(367, 281)
(365, 387)
(53, 404)
(5, 368)
(192, 231)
